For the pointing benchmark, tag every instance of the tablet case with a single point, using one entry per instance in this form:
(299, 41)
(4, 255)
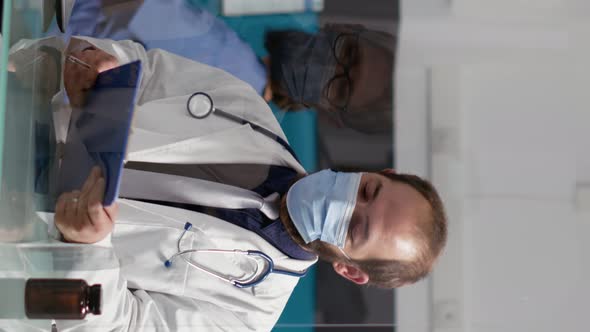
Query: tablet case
(98, 133)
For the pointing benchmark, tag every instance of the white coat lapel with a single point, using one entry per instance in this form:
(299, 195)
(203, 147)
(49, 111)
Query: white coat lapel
(146, 234)
(238, 145)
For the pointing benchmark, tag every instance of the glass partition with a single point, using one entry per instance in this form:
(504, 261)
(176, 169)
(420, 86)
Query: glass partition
(487, 100)
(319, 74)
(30, 81)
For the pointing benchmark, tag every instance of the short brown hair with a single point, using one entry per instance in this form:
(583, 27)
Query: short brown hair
(431, 235)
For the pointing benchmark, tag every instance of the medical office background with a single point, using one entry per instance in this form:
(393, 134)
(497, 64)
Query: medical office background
(491, 104)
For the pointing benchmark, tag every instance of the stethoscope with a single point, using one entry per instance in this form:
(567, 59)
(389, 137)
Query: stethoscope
(200, 105)
(256, 277)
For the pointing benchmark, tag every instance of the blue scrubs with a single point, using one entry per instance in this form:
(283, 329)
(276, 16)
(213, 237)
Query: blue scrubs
(174, 26)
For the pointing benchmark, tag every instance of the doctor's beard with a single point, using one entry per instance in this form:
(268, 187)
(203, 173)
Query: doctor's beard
(322, 249)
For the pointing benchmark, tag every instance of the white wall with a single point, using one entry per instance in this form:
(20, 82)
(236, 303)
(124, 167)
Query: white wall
(516, 260)
(507, 138)
(412, 154)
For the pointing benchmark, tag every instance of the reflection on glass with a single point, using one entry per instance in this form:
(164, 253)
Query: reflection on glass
(339, 87)
(339, 75)
(33, 77)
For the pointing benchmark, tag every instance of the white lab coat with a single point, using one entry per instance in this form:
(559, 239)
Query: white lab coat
(140, 294)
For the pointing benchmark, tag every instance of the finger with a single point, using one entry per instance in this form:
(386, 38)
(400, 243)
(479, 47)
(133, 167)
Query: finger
(83, 81)
(72, 206)
(98, 171)
(87, 82)
(107, 63)
(69, 75)
(112, 211)
(86, 190)
(101, 60)
(71, 78)
(90, 180)
(63, 223)
(60, 205)
(73, 69)
(11, 66)
(96, 194)
(87, 56)
(77, 76)
(88, 77)
(77, 96)
(60, 212)
(96, 211)
(88, 233)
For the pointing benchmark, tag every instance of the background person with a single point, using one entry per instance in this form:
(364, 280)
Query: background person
(343, 71)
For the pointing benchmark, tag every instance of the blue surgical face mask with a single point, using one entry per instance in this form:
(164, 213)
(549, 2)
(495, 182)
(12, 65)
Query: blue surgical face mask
(321, 205)
(304, 64)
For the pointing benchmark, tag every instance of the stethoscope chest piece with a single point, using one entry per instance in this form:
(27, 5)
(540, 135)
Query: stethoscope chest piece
(200, 105)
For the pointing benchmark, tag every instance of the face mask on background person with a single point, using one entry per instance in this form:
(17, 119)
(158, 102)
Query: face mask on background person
(306, 64)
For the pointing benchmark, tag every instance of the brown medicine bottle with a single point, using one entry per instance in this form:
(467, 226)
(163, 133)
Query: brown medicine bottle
(61, 299)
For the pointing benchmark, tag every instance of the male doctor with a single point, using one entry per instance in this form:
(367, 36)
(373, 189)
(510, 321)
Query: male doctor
(384, 229)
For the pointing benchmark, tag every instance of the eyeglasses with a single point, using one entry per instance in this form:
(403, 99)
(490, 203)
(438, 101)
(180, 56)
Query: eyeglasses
(345, 51)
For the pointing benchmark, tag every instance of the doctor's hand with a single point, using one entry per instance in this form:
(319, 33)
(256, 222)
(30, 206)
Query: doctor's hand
(80, 215)
(78, 79)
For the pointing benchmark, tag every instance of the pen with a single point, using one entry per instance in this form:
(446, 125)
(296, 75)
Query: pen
(75, 60)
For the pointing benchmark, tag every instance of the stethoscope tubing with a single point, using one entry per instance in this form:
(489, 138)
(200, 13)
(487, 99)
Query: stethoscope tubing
(239, 120)
(256, 277)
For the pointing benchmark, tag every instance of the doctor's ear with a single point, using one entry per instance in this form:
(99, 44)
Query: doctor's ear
(351, 273)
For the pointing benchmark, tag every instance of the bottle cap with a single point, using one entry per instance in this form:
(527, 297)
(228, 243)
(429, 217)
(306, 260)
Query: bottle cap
(95, 299)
